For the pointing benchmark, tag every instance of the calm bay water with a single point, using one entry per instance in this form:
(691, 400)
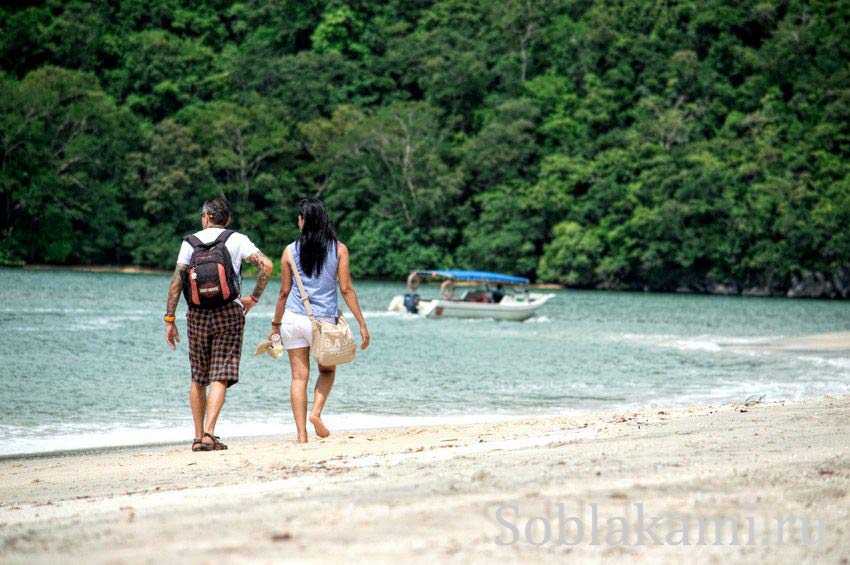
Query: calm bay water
(83, 361)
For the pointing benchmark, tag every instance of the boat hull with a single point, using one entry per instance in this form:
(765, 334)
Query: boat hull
(507, 309)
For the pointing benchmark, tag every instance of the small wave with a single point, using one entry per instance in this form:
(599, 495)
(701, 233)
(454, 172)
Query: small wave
(59, 311)
(102, 323)
(27, 440)
(32, 310)
(837, 362)
(538, 320)
(21, 440)
(772, 391)
(700, 343)
(674, 341)
(381, 314)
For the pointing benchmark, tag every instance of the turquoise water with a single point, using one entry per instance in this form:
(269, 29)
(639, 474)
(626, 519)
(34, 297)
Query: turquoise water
(83, 361)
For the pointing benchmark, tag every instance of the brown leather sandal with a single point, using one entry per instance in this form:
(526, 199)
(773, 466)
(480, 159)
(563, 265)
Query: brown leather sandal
(199, 441)
(217, 445)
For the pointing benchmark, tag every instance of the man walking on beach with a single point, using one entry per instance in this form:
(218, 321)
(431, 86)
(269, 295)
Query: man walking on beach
(209, 272)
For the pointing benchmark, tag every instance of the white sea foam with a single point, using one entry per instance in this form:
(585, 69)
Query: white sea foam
(381, 314)
(102, 322)
(697, 343)
(772, 391)
(746, 346)
(18, 440)
(37, 310)
(24, 441)
(371, 314)
(837, 362)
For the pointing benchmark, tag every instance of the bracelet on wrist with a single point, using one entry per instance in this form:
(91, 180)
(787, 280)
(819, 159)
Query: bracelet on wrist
(275, 324)
(169, 319)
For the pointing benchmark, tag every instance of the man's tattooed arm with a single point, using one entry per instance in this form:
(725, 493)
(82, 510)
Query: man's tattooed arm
(174, 289)
(264, 266)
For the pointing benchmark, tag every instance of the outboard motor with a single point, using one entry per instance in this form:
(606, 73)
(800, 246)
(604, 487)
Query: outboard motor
(411, 302)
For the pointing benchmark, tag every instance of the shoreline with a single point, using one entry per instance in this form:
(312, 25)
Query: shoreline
(331, 420)
(429, 493)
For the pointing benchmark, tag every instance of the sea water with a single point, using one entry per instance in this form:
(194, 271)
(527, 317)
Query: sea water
(84, 363)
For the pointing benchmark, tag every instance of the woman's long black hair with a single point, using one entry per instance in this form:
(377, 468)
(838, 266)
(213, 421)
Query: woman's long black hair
(316, 236)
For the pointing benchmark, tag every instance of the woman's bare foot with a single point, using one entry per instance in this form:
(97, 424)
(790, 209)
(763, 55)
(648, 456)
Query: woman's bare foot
(302, 438)
(321, 430)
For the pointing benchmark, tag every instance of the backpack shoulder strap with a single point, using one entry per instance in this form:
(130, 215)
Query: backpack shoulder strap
(193, 241)
(223, 236)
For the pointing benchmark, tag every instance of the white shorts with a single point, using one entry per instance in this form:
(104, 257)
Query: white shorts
(296, 330)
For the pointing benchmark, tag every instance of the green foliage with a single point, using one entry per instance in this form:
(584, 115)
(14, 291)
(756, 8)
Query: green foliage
(506, 234)
(340, 31)
(386, 249)
(595, 144)
(572, 256)
(161, 72)
(63, 145)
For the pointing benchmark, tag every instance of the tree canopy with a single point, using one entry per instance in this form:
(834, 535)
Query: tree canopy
(627, 144)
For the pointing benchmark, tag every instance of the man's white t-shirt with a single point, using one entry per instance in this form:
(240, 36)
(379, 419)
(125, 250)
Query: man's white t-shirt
(238, 245)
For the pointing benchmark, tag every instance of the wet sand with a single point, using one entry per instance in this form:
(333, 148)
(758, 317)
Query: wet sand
(431, 494)
(837, 342)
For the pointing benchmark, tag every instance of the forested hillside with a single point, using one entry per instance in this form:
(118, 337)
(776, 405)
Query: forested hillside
(632, 144)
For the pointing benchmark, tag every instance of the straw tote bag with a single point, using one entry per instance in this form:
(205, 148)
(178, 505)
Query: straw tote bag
(333, 344)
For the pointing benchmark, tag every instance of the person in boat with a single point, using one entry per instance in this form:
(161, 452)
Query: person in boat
(477, 296)
(499, 293)
(323, 263)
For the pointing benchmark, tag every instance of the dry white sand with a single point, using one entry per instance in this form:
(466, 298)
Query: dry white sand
(431, 494)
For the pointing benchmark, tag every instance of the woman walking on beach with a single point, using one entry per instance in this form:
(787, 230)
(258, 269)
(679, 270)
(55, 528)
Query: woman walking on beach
(323, 263)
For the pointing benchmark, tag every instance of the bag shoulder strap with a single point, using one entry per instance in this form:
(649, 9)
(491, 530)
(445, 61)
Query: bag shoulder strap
(304, 298)
(193, 241)
(223, 236)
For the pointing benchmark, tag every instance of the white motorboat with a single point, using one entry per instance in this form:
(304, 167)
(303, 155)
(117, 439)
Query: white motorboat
(507, 301)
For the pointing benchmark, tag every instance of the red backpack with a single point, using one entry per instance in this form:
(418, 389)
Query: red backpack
(210, 281)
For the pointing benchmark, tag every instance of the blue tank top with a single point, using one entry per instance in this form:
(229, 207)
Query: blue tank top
(321, 289)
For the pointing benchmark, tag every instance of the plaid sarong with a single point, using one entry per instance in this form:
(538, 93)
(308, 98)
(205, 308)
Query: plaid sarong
(215, 343)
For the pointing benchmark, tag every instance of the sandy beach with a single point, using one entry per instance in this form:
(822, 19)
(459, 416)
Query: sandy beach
(448, 493)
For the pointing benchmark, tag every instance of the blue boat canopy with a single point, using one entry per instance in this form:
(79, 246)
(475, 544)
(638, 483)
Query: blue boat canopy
(480, 276)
